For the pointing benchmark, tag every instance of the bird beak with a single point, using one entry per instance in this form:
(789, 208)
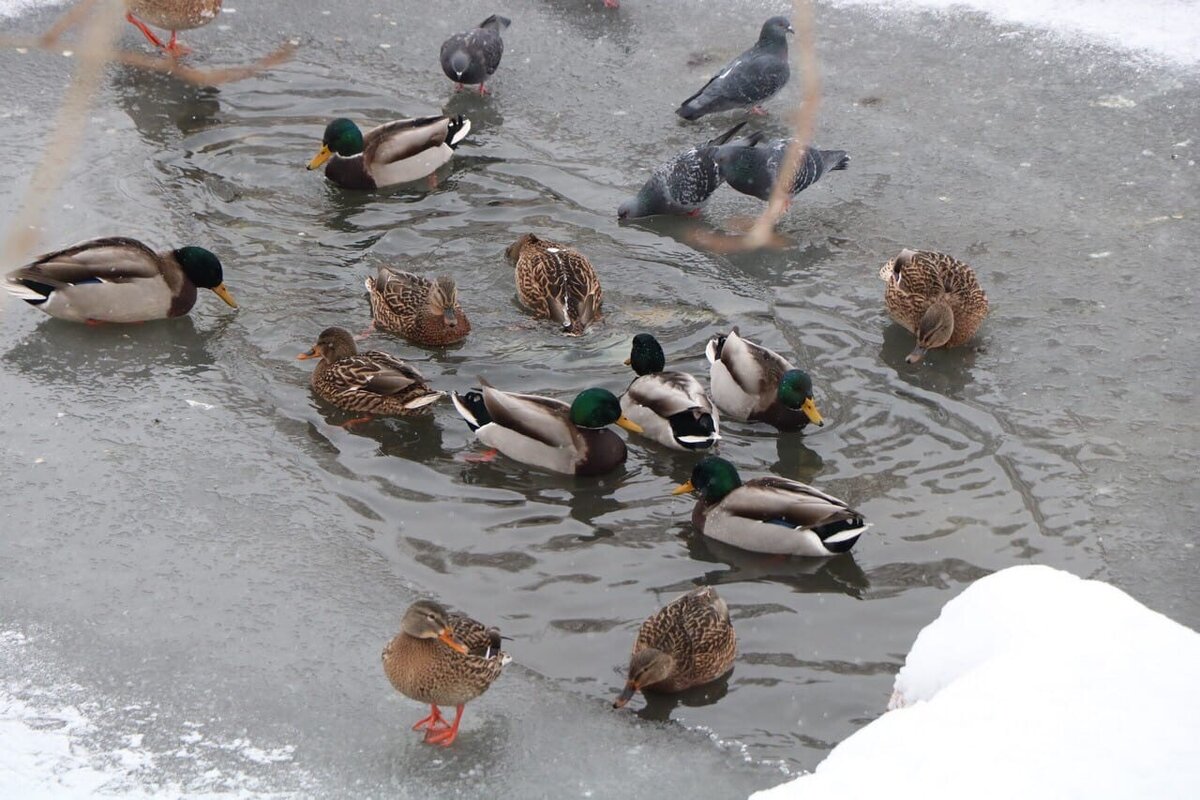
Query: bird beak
(447, 638)
(449, 318)
(684, 488)
(810, 410)
(626, 695)
(314, 353)
(915, 356)
(224, 294)
(628, 361)
(790, 29)
(321, 157)
(629, 425)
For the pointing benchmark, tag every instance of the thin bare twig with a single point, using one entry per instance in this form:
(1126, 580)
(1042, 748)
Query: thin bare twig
(762, 232)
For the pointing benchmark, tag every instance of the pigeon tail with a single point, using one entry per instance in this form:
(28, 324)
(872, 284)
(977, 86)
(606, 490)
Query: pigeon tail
(496, 22)
(834, 159)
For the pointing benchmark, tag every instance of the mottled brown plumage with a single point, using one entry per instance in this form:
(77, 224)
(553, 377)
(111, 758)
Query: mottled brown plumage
(442, 659)
(370, 382)
(423, 311)
(171, 15)
(936, 297)
(688, 642)
(556, 282)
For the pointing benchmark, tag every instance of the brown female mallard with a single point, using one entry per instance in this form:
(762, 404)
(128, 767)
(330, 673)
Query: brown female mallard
(936, 297)
(556, 282)
(117, 279)
(423, 311)
(442, 659)
(171, 15)
(370, 382)
(688, 642)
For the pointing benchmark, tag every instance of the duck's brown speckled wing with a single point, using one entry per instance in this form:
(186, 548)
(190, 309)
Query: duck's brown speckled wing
(559, 283)
(480, 640)
(397, 298)
(696, 630)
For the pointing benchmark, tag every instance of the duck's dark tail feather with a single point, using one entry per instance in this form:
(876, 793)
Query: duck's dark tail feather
(470, 407)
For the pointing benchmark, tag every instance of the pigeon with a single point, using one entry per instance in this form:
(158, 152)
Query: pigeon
(681, 185)
(473, 57)
(751, 168)
(749, 79)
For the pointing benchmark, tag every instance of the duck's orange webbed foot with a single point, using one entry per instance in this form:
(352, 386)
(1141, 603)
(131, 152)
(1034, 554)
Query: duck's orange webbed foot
(486, 457)
(350, 423)
(434, 720)
(447, 736)
(176, 48)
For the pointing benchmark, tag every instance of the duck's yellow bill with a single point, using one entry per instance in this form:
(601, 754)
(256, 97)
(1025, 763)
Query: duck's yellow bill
(810, 410)
(629, 425)
(684, 488)
(321, 157)
(448, 639)
(224, 294)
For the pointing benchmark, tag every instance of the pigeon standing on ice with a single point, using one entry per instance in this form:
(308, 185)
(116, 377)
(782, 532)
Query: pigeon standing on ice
(472, 57)
(749, 79)
(681, 185)
(751, 167)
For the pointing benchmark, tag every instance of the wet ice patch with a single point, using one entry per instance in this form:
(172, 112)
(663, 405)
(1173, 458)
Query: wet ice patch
(60, 740)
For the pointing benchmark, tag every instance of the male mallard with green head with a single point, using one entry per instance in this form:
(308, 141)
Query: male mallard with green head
(442, 659)
(688, 642)
(672, 408)
(936, 297)
(770, 515)
(370, 382)
(423, 311)
(750, 382)
(556, 282)
(171, 15)
(544, 432)
(117, 279)
(396, 152)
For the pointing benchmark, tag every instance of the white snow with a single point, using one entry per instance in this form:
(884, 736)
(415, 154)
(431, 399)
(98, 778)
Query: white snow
(1168, 29)
(1031, 684)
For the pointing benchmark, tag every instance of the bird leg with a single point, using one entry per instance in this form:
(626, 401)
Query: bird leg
(434, 720)
(149, 34)
(612, 3)
(458, 87)
(176, 48)
(348, 424)
(483, 90)
(431, 181)
(486, 457)
(446, 737)
(758, 111)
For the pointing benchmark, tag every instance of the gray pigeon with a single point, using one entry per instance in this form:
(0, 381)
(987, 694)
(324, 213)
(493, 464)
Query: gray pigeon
(681, 185)
(749, 79)
(472, 57)
(751, 167)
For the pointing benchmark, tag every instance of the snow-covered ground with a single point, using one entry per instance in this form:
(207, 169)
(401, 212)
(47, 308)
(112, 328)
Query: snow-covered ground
(1032, 683)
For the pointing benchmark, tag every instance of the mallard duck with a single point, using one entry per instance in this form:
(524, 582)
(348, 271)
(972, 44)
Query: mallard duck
(688, 642)
(396, 152)
(672, 408)
(117, 279)
(423, 311)
(936, 297)
(571, 439)
(750, 382)
(556, 282)
(442, 659)
(769, 515)
(474, 56)
(371, 382)
(171, 15)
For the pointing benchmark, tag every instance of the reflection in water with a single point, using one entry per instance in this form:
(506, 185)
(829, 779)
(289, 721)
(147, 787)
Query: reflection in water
(836, 575)
(71, 354)
(484, 112)
(796, 461)
(947, 372)
(161, 105)
(659, 705)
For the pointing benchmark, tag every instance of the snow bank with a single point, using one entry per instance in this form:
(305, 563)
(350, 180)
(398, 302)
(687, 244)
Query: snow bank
(1032, 683)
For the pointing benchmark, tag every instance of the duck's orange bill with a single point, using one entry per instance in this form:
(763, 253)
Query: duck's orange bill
(224, 294)
(454, 644)
(684, 488)
(320, 158)
(629, 425)
(626, 695)
(314, 353)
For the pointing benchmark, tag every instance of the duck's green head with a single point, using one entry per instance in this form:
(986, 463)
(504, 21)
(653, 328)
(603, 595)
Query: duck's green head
(796, 392)
(646, 356)
(713, 477)
(343, 137)
(595, 408)
(203, 269)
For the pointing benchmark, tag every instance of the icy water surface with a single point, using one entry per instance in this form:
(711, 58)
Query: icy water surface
(189, 535)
